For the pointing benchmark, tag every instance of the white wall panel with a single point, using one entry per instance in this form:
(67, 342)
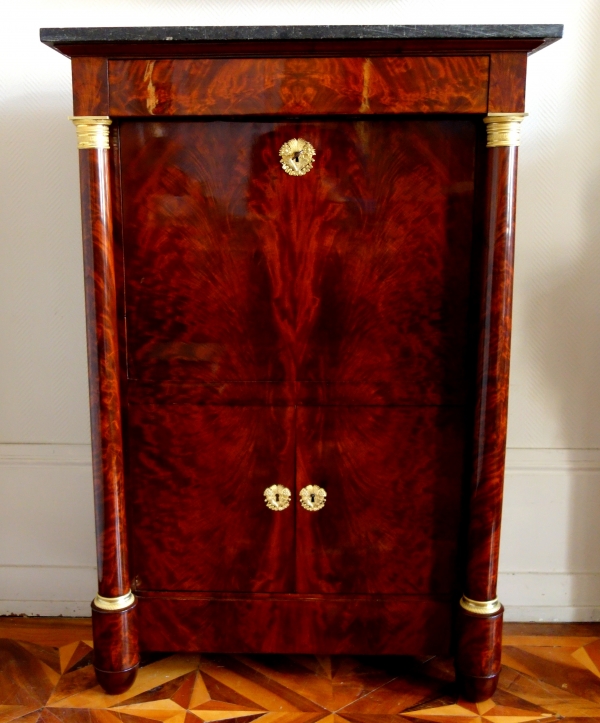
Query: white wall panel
(551, 505)
(548, 598)
(551, 553)
(46, 515)
(45, 590)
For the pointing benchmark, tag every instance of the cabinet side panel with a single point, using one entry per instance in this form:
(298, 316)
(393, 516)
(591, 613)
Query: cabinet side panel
(235, 86)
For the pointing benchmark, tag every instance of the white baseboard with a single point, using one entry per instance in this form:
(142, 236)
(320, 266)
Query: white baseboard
(550, 597)
(44, 455)
(552, 460)
(549, 566)
(46, 608)
(47, 590)
(543, 614)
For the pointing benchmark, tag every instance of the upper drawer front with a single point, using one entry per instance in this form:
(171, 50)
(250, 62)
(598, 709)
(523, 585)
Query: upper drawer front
(298, 85)
(356, 273)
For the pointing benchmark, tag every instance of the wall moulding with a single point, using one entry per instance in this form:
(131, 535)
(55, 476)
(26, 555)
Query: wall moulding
(535, 594)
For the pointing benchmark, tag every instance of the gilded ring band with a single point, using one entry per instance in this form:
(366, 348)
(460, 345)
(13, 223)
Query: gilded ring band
(503, 129)
(114, 603)
(487, 607)
(92, 131)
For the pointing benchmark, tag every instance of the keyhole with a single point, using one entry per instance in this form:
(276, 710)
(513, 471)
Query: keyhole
(277, 497)
(296, 156)
(312, 499)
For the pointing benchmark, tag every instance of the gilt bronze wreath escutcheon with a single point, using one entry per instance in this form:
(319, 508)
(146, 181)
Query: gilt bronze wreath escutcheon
(277, 497)
(297, 156)
(313, 498)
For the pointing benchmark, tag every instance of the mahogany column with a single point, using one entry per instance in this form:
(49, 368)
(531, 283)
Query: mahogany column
(116, 654)
(480, 613)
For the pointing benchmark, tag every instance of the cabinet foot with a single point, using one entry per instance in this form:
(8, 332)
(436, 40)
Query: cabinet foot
(116, 649)
(477, 689)
(478, 657)
(116, 681)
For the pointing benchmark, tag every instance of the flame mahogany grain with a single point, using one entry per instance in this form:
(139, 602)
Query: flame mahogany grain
(198, 474)
(478, 658)
(298, 85)
(489, 448)
(90, 86)
(316, 624)
(507, 82)
(116, 647)
(355, 274)
(399, 469)
(480, 644)
(103, 362)
(115, 627)
(115, 634)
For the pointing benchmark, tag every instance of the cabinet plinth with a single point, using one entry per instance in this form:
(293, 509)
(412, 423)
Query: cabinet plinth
(298, 255)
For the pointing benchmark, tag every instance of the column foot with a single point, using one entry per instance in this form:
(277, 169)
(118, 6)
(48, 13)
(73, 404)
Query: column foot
(478, 658)
(477, 689)
(116, 648)
(116, 682)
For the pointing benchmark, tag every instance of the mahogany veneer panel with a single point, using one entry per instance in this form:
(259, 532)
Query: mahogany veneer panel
(236, 86)
(322, 624)
(507, 83)
(195, 498)
(491, 414)
(103, 368)
(359, 274)
(90, 77)
(393, 477)
(275, 393)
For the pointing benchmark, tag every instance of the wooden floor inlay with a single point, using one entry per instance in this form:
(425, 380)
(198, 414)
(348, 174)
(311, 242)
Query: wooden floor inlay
(46, 676)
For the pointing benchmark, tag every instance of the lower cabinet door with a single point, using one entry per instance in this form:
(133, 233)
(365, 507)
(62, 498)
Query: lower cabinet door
(195, 494)
(393, 478)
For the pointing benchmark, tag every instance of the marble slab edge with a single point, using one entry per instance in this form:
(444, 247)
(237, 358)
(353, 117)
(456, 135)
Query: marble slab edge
(182, 34)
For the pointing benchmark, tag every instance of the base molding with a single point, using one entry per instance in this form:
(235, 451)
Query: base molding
(294, 624)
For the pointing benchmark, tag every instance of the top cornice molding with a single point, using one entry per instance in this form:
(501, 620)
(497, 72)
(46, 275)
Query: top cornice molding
(302, 39)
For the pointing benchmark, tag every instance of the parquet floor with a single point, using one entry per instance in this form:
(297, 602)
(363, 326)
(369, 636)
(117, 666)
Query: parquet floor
(550, 672)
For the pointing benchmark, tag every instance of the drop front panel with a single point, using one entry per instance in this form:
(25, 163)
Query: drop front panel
(297, 330)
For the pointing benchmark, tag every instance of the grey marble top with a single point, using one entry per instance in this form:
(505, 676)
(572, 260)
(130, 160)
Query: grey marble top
(180, 34)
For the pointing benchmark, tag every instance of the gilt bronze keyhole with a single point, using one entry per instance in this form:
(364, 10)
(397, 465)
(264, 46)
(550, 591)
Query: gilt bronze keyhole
(312, 498)
(277, 497)
(297, 156)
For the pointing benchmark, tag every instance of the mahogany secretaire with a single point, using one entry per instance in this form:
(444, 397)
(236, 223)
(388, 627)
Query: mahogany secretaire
(298, 248)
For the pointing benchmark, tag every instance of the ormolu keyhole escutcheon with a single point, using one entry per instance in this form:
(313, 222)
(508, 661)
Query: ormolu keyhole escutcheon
(297, 156)
(313, 498)
(277, 497)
